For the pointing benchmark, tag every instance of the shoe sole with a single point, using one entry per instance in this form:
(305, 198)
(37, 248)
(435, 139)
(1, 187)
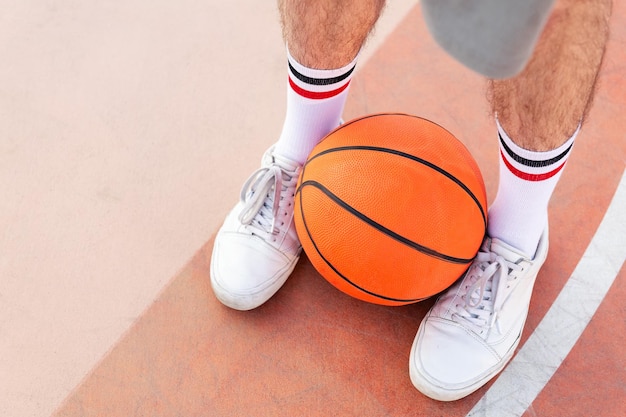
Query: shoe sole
(441, 394)
(251, 300)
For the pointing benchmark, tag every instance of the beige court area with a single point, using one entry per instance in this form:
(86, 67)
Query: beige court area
(126, 132)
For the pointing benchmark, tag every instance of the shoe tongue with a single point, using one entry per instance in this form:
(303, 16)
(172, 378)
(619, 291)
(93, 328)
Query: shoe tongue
(506, 251)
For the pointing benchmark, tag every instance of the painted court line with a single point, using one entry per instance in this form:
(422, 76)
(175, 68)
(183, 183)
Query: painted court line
(540, 357)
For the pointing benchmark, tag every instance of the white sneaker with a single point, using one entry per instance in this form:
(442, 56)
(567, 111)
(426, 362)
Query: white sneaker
(472, 331)
(257, 247)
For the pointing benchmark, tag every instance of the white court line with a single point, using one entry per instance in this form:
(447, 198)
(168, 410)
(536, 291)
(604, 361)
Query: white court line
(540, 357)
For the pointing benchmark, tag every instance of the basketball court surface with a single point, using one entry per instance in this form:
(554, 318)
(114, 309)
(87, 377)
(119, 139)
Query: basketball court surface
(126, 131)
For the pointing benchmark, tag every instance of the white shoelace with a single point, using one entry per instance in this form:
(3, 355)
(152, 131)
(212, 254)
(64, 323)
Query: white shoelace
(486, 290)
(263, 195)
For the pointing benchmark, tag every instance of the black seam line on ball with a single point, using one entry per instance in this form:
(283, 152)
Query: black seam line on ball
(342, 276)
(414, 245)
(414, 158)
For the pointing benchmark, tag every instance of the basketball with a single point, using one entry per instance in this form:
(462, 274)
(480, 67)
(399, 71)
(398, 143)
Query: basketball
(391, 208)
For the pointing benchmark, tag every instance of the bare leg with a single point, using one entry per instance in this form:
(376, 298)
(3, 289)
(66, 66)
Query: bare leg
(327, 34)
(540, 112)
(480, 318)
(543, 106)
(323, 40)
(257, 247)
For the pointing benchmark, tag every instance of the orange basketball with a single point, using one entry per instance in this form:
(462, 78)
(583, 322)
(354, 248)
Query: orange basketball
(391, 208)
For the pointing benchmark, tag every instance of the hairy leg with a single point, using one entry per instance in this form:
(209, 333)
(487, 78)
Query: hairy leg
(543, 106)
(257, 247)
(326, 34)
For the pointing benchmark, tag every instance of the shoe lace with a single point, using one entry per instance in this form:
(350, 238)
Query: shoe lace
(264, 193)
(486, 290)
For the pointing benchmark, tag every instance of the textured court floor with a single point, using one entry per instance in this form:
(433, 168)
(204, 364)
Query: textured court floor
(126, 130)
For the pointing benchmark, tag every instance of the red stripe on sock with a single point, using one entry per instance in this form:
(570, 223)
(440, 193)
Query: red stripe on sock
(316, 95)
(530, 177)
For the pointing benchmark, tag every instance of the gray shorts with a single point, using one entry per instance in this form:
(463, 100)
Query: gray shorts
(493, 37)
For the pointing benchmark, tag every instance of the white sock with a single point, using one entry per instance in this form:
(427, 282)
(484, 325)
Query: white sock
(519, 214)
(315, 101)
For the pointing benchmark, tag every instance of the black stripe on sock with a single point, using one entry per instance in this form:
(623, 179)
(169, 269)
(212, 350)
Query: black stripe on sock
(319, 81)
(530, 162)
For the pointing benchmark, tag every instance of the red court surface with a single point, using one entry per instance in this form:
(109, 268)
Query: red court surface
(313, 351)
